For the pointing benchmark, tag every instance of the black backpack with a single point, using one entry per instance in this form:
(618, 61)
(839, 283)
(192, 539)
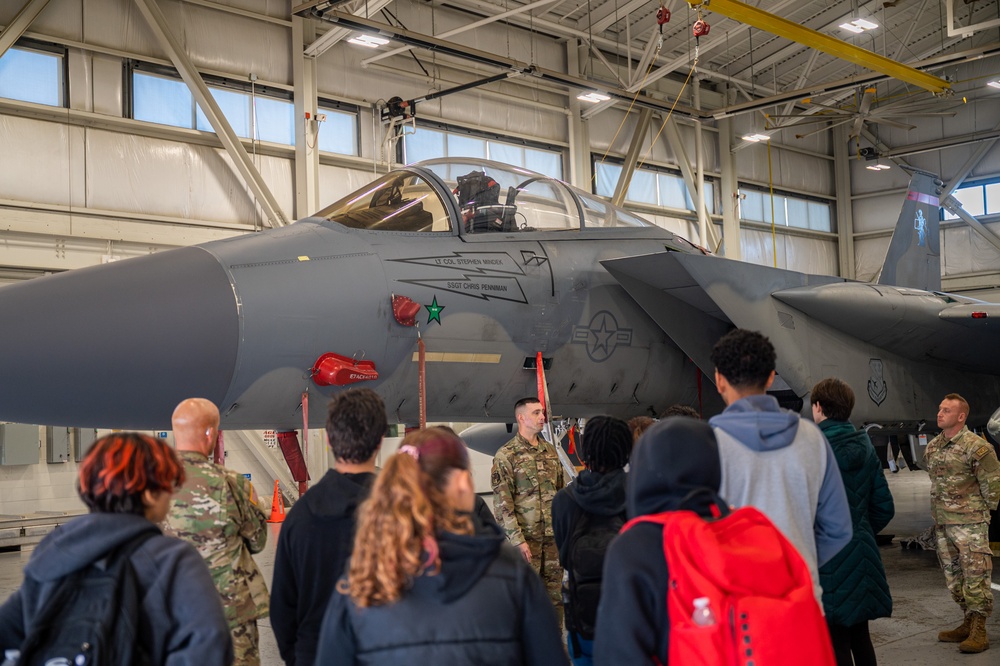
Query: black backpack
(92, 617)
(588, 544)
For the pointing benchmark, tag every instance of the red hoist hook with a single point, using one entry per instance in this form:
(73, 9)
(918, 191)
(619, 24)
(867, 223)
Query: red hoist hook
(662, 16)
(699, 29)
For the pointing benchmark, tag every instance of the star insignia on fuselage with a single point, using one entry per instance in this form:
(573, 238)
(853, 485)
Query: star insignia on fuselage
(434, 311)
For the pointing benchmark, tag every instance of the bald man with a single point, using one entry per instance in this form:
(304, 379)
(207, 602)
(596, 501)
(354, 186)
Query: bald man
(216, 512)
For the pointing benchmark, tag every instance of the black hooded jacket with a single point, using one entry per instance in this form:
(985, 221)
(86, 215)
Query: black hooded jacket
(181, 620)
(672, 458)
(484, 606)
(313, 548)
(591, 492)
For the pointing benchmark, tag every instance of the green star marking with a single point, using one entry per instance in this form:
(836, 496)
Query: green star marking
(434, 311)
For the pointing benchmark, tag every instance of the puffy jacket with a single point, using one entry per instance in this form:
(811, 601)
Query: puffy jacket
(854, 583)
(182, 617)
(484, 606)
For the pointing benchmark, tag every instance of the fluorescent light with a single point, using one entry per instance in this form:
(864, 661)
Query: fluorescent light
(593, 97)
(994, 84)
(859, 25)
(878, 167)
(371, 41)
(754, 138)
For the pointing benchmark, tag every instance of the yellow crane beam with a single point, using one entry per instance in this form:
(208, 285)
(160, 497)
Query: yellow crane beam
(776, 25)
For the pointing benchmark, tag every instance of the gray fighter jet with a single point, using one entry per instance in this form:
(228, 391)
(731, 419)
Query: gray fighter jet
(489, 264)
(900, 342)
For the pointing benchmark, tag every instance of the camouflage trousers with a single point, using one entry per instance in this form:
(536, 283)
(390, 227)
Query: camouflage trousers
(545, 560)
(964, 553)
(245, 642)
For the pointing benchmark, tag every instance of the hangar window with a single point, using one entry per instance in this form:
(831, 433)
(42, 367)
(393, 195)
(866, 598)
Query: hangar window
(789, 211)
(160, 96)
(432, 141)
(978, 200)
(652, 186)
(33, 73)
(339, 132)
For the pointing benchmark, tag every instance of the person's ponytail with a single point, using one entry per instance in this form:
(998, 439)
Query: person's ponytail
(395, 535)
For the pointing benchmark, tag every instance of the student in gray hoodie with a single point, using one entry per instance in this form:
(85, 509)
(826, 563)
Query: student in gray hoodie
(773, 459)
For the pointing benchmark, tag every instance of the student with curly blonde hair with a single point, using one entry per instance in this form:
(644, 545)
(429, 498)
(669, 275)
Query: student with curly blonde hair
(422, 587)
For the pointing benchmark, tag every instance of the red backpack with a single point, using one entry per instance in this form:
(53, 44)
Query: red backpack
(761, 609)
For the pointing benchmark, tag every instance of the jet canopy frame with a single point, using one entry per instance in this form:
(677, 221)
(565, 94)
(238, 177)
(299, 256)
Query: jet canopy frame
(471, 196)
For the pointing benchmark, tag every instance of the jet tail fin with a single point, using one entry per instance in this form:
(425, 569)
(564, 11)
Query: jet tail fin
(914, 255)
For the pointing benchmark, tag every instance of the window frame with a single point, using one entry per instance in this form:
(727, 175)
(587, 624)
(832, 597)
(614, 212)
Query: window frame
(447, 129)
(48, 48)
(656, 170)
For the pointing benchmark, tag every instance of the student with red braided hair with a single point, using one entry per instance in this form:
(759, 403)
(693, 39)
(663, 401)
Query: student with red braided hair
(126, 480)
(422, 587)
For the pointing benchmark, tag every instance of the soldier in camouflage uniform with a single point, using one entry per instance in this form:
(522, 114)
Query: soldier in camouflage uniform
(216, 511)
(526, 475)
(965, 487)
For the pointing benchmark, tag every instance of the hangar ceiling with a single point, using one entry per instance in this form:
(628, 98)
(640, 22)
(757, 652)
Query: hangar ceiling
(761, 69)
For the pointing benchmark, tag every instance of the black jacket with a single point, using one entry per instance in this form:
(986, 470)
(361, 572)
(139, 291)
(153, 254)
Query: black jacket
(313, 548)
(673, 457)
(485, 606)
(590, 492)
(182, 620)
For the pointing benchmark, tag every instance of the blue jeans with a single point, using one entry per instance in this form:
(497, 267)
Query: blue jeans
(586, 655)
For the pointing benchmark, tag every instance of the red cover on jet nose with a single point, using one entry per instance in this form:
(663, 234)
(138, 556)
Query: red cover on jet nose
(335, 370)
(405, 310)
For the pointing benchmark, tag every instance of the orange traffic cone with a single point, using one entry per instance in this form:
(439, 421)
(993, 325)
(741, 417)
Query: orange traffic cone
(277, 506)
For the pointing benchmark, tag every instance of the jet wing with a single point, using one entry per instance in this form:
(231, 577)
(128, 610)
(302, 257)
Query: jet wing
(696, 299)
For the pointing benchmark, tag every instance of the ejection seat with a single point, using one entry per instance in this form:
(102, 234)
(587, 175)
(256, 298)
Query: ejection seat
(479, 198)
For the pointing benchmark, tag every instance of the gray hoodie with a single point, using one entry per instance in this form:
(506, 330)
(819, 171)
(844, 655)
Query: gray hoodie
(776, 461)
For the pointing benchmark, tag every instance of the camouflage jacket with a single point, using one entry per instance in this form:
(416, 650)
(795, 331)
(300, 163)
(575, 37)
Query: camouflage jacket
(965, 478)
(213, 512)
(525, 478)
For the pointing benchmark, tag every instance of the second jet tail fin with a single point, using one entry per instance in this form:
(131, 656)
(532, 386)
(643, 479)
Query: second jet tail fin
(914, 255)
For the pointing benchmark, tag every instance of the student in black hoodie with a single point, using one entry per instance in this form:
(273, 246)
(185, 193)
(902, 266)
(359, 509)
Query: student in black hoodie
(673, 457)
(422, 588)
(318, 533)
(597, 495)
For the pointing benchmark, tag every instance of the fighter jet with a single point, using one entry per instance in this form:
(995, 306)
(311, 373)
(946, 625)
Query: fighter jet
(488, 264)
(900, 342)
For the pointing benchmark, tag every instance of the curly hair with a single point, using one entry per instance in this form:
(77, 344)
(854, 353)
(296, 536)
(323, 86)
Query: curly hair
(680, 410)
(745, 358)
(397, 525)
(355, 425)
(606, 444)
(834, 397)
(639, 425)
(120, 467)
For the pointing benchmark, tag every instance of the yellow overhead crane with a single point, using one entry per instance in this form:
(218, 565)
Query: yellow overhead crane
(776, 25)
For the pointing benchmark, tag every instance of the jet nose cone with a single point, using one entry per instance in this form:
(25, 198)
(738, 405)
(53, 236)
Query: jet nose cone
(118, 345)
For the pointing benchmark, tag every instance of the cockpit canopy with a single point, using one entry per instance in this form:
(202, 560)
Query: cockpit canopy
(474, 196)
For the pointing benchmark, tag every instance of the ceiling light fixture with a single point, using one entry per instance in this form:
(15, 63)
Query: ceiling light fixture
(593, 97)
(371, 41)
(994, 84)
(754, 138)
(878, 167)
(858, 26)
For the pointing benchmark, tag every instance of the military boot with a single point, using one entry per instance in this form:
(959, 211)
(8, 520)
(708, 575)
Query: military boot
(977, 640)
(958, 634)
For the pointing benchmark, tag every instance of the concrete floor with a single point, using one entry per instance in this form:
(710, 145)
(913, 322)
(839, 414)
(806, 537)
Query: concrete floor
(922, 605)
